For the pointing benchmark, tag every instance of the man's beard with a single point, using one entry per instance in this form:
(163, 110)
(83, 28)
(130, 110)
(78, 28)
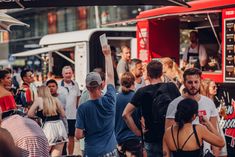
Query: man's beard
(192, 93)
(138, 76)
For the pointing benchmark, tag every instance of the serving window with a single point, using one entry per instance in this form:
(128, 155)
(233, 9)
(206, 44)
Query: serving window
(208, 26)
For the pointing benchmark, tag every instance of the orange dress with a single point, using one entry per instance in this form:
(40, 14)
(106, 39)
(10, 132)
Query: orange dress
(7, 103)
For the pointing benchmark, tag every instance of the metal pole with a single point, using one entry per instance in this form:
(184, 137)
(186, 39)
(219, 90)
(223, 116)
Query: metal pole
(97, 18)
(213, 29)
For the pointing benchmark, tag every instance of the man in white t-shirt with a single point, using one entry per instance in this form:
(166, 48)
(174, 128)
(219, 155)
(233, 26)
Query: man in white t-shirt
(70, 88)
(206, 107)
(195, 55)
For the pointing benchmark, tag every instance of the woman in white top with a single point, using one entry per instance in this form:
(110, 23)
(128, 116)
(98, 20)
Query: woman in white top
(209, 88)
(50, 110)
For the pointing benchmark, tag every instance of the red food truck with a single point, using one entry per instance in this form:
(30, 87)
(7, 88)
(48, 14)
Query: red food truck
(163, 32)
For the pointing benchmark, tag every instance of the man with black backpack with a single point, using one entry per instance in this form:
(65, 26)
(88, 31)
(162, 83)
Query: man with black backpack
(153, 101)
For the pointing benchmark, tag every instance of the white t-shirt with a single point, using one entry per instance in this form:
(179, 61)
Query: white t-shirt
(202, 52)
(205, 106)
(139, 85)
(71, 91)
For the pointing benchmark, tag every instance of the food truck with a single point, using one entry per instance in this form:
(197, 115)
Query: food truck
(80, 49)
(162, 32)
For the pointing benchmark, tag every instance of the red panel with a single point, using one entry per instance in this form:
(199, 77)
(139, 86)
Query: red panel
(142, 35)
(218, 78)
(164, 38)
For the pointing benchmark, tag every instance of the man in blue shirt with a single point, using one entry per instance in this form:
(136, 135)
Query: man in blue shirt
(96, 117)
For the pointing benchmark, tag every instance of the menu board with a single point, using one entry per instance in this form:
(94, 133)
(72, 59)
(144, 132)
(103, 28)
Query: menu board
(229, 49)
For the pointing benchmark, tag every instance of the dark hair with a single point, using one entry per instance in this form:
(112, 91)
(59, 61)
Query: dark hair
(3, 73)
(127, 80)
(134, 62)
(154, 69)
(185, 111)
(8, 69)
(192, 71)
(194, 32)
(24, 73)
(51, 81)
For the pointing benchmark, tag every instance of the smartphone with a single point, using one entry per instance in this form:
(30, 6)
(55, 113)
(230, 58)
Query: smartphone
(103, 40)
(201, 113)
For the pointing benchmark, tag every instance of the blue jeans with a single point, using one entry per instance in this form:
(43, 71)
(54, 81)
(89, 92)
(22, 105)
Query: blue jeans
(153, 149)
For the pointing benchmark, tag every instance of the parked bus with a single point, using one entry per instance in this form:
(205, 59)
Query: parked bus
(81, 49)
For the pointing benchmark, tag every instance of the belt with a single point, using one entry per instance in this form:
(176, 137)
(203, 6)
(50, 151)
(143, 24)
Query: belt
(10, 113)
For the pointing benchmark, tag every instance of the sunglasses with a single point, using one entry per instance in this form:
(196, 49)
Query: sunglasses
(214, 87)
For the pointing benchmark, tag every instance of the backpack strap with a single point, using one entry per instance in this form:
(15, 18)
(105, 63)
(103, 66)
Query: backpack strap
(141, 129)
(168, 86)
(196, 136)
(62, 84)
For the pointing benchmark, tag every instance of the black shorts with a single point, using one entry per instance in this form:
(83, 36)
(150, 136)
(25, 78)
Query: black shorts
(71, 127)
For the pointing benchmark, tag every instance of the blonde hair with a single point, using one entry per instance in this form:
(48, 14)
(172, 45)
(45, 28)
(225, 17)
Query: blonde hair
(174, 67)
(168, 61)
(204, 88)
(49, 102)
(178, 72)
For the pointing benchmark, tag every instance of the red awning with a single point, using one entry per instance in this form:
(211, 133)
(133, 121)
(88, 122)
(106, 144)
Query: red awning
(9, 4)
(198, 5)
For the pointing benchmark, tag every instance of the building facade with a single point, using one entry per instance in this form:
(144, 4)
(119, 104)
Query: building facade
(45, 21)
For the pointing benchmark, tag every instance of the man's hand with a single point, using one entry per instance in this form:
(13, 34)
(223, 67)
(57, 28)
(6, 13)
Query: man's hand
(216, 151)
(106, 50)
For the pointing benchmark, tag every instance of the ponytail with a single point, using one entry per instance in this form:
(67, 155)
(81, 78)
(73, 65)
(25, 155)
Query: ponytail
(186, 109)
(179, 119)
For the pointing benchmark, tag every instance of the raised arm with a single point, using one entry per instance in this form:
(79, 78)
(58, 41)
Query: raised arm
(108, 65)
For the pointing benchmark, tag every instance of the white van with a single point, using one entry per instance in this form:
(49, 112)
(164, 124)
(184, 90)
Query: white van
(81, 49)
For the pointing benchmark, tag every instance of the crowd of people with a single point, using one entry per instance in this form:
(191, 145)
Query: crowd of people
(157, 111)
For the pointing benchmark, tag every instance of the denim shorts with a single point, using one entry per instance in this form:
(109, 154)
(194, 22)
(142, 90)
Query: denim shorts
(153, 149)
(113, 153)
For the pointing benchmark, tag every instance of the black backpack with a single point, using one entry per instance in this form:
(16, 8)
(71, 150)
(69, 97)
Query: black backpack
(161, 100)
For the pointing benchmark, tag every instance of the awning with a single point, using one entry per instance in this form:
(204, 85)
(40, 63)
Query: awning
(43, 50)
(135, 20)
(7, 21)
(9, 4)
(197, 7)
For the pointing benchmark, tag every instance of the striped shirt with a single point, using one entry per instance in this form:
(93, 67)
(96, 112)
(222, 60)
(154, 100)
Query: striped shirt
(27, 135)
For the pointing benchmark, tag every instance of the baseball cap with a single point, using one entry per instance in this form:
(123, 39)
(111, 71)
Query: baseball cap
(93, 79)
